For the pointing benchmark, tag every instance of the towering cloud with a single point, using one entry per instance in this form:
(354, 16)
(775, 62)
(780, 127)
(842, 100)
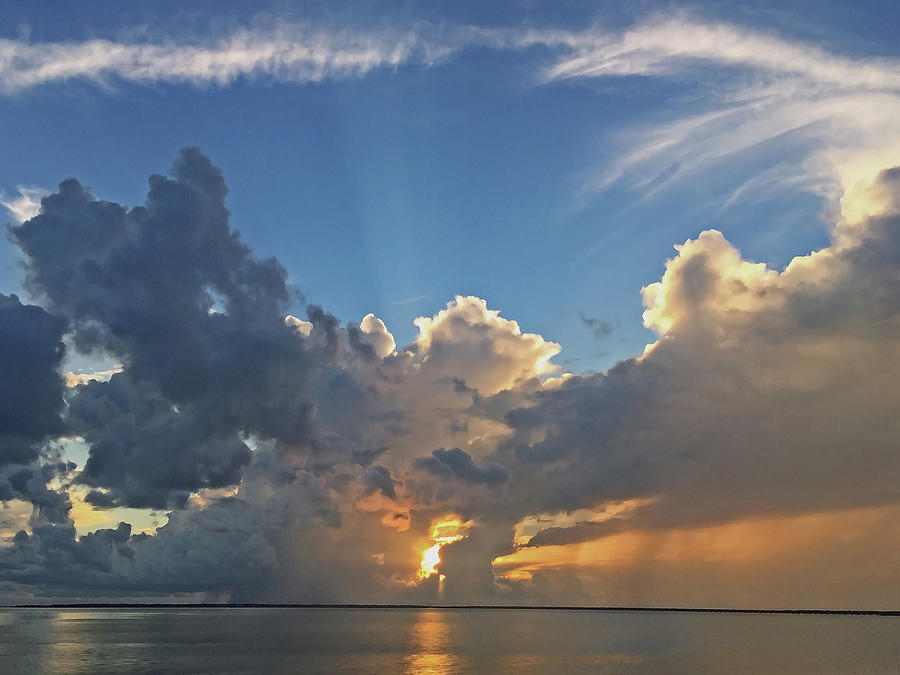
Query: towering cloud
(766, 391)
(171, 292)
(307, 459)
(31, 406)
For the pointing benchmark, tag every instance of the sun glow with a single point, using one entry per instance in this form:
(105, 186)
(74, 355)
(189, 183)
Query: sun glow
(444, 531)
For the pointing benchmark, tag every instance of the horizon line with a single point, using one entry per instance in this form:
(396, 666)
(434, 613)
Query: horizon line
(283, 605)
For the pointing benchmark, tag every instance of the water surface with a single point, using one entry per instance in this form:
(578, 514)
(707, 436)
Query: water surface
(246, 640)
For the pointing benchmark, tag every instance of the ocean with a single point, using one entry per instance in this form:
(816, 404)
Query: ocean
(410, 640)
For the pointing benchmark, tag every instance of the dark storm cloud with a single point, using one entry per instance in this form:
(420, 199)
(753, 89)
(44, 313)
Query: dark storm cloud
(52, 557)
(31, 402)
(559, 536)
(101, 500)
(143, 284)
(467, 565)
(170, 290)
(146, 452)
(31, 387)
(457, 463)
(29, 483)
(365, 457)
(379, 478)
(228, 546)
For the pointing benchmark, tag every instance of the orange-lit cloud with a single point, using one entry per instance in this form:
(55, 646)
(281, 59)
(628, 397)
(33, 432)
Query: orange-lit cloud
(444, 531)
(719, 561)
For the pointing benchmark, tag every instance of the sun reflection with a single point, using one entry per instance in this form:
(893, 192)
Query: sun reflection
(448, 529)
(430, 646)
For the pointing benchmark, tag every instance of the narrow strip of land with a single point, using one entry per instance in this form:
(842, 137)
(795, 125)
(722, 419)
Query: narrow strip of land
(575, 608)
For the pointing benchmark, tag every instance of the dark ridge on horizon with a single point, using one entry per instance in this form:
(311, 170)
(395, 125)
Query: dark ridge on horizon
(580, 608)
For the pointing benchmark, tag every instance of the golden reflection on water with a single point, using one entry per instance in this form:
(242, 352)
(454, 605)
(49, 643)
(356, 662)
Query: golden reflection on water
(428, 644)
(64, 646)
(72, 639)
(72, 633)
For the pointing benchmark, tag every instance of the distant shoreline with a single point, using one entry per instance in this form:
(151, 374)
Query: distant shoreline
(253, 605)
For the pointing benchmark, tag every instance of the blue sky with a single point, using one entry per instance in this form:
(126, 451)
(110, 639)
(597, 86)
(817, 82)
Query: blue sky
(392, 191)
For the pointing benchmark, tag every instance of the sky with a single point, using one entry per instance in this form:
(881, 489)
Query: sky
(480, 303)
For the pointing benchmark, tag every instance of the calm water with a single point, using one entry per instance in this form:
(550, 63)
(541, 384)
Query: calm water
(239, 640)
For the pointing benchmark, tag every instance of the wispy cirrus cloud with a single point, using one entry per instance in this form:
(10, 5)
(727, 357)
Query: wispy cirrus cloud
(655, 46)
(26, 204)
(837, 113)
(287, 52)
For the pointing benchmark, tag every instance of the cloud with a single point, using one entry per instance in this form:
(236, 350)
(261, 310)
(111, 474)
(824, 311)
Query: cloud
(766, 392)
(31, 389)
(756, 559)
(586, 531)
(472, 343)
(29, 483)
(139, 285)
(373, 332)
(836, 113)
(410, 300)
(458, 464)
(74, 379)
(26, 205)
(833, 115)
(301, 326)
(146, 453)
(212, 366)
(660, 45)
(290, 450)
(275, 51)
(51, 556)
(286, 52)
(294, 53)
(379, 478)
(100, 500)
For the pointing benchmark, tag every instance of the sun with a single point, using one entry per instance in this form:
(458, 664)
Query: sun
(445, 530)
(430, 560)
